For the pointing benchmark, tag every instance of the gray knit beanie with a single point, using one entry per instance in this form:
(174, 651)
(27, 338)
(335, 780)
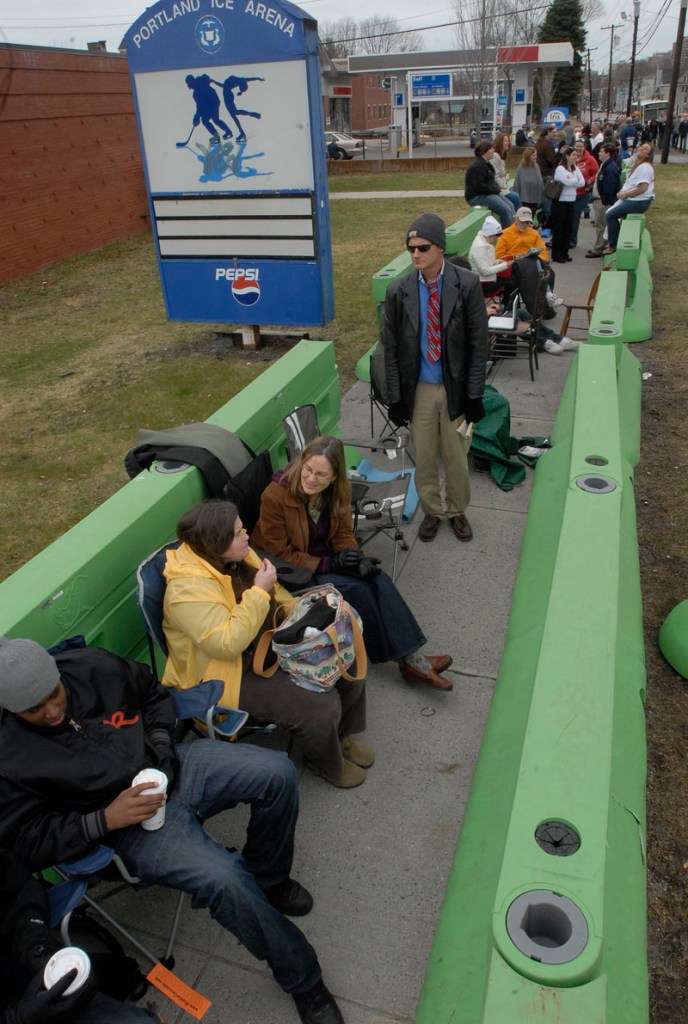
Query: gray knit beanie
(28, 674)
(429, 226)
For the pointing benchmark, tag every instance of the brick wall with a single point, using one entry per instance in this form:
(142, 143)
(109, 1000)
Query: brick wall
(71, 177)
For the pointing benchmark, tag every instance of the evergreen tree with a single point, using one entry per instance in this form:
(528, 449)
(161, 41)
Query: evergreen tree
(564, 23)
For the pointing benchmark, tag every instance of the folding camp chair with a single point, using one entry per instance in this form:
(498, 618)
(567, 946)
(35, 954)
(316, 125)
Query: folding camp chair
(378, 506)
(505, 344)
(78, 878)
(199, 702)
(199, 705)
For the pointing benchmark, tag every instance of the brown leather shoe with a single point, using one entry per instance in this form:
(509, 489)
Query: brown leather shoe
(431, 678)
(440, 662)
(461, 527)
(428, 528)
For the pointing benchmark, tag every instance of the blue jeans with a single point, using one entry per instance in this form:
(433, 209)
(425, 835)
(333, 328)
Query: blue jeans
(390, 631)
(514, 198)
(616, 213)
(499, 205)
(580, 204)
(215, 776)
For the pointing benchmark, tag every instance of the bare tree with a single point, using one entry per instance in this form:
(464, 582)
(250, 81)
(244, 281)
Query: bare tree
(380, 34)
(339, 37)
(377, 34)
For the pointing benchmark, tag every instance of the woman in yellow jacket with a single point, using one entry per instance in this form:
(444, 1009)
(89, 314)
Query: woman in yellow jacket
(219, 597)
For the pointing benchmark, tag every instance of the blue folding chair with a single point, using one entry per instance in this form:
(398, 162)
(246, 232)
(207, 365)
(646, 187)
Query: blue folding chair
(200, 702)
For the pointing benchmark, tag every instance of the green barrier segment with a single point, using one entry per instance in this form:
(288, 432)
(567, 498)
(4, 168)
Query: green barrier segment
(564, 743)
(459, 240)
(673, 638)
(632, 257)
(85, 581)
(628, 245)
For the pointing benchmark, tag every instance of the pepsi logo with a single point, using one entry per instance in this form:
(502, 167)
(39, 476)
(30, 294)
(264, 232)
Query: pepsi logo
(247, 293)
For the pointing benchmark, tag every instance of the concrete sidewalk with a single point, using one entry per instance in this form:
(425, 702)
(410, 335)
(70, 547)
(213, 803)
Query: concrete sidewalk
(377, 858)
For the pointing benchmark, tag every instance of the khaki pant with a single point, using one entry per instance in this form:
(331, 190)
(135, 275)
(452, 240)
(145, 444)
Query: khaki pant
(599, 210)
(435, 436)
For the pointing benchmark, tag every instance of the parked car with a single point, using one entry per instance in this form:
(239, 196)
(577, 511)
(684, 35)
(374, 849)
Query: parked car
(342, 147)
(486, 129)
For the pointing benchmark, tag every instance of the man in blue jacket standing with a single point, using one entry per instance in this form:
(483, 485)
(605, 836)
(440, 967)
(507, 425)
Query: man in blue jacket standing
(607, 184)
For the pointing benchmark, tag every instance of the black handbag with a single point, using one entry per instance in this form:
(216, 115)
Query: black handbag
(553, 189)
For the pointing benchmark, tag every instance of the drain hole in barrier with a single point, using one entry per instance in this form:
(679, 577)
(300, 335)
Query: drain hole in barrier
(597, 460)
(596, 484)
(547, 927)
(558, 839)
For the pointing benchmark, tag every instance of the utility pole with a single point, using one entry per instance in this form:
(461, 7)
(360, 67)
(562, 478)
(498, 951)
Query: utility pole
(590, 50)
(611, 53)
(674, 81)
(636, 15)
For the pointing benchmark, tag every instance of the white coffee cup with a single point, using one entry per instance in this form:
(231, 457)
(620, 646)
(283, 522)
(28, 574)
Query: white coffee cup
(158, 784)
(64, 961)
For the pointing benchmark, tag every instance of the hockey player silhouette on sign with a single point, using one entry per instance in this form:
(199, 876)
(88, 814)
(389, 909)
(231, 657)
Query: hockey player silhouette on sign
(207, 109)
(241, 85)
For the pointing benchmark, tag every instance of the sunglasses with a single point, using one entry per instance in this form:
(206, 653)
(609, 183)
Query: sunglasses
(426, 247)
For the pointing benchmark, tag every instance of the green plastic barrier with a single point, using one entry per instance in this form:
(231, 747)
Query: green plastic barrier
(85, 581)
(628, 244)
(607, 317)
(459, 239)
(673, 638)
(527, 934)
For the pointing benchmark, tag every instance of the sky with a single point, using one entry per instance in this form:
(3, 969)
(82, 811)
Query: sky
(73, 23)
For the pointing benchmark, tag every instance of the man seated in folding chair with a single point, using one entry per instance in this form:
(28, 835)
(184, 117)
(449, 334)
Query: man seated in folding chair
(305, 518)
(76, 729)
(26, 946)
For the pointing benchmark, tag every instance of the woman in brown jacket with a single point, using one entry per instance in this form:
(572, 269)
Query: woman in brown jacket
(305, 518)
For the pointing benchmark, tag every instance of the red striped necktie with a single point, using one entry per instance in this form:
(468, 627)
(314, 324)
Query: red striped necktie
(434, 331)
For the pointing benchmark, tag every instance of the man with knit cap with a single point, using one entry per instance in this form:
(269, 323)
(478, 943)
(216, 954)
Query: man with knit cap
(77, 727)
(434, 334)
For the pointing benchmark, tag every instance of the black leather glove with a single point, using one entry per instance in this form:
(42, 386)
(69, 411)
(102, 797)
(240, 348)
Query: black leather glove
(398, 414)
(346, 561)
(475, 410)
(368, 567)
(39, 1005)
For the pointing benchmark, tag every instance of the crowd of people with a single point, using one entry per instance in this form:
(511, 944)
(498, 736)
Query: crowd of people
(570, 173)
(77, 726)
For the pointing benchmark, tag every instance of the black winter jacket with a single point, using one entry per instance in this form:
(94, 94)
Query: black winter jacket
(55, 782)
(464, 338)
(608, 181)
(480, 180)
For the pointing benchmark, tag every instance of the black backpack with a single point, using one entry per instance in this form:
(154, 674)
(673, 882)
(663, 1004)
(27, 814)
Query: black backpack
(115, 973)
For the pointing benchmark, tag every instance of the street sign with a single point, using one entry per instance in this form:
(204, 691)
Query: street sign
(430, 85)
(555, 115)
(230, 121)
(385, 83)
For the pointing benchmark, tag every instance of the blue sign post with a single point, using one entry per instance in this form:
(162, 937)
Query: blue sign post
(229, 109)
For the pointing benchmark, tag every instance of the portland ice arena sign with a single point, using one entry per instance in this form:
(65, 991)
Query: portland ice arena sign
(229, 110)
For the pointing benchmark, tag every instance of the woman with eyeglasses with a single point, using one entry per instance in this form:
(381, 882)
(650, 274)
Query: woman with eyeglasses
(305, 518)
(220, 596)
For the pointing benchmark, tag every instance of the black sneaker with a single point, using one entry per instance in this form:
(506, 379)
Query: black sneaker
(290, 897)
(317, 1006)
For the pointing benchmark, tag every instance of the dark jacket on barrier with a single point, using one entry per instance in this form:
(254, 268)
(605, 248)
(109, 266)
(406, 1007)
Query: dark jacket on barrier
(53, 794)
(480, 180)
(464, 338)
